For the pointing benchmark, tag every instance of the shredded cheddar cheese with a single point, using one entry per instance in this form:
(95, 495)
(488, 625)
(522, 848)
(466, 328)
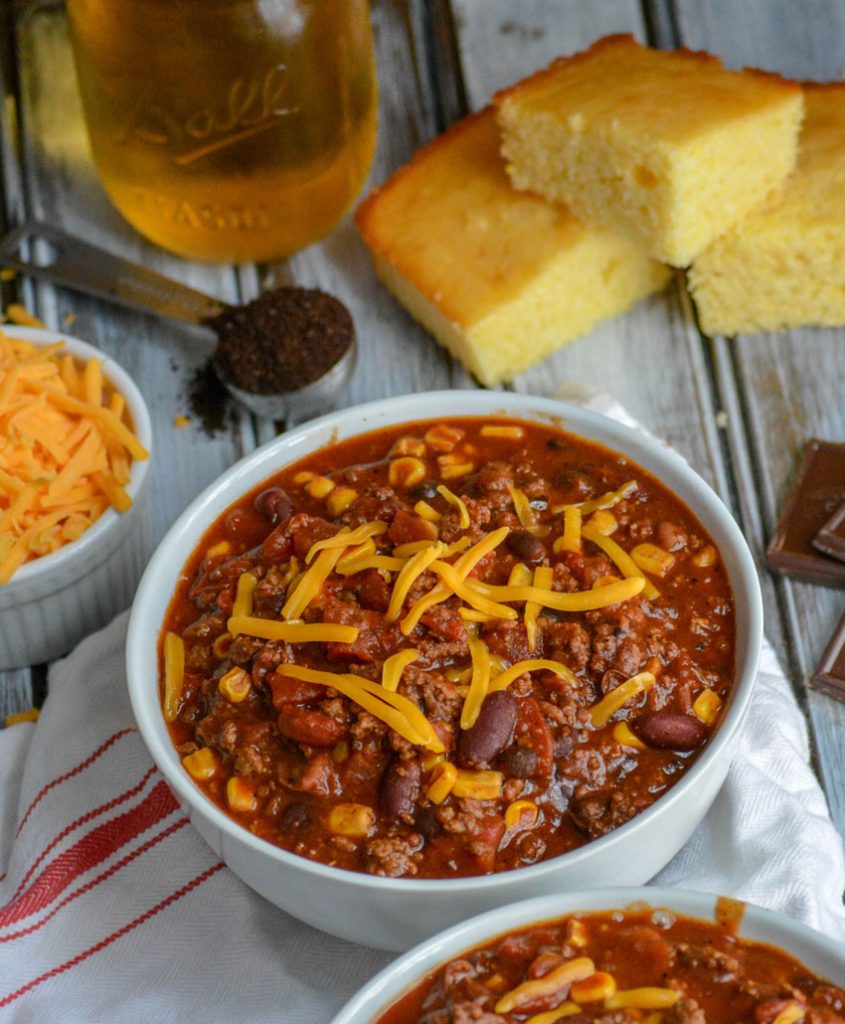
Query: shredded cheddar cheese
(65, 451)
(457, 503)
(311, 583)
(522, 507)
(556, 980)
(621, 559)
(570, 540)
(395, 665)
(543, 577)
(413, 568)
(601, 713)
(401, 714)
(174, 674)
(479, 682)
(292, 632)
(247, 582)
(580, 601)
(346, 538)
(504, 679)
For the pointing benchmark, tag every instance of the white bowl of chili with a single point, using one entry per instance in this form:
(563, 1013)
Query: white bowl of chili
(395, 912)
(723, 928)
(51, 601)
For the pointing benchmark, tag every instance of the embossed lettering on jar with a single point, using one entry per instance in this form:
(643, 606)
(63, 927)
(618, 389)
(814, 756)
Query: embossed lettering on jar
(228, 130)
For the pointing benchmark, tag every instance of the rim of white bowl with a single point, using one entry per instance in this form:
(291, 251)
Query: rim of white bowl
(403, 974)
(120, 380)
(143, 692)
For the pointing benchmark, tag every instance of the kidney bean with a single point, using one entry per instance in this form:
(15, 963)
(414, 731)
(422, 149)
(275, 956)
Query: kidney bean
(274, 505)
(526, 547)
(478, 745)
(427, 823)
(286, 690)
(311, 727)
(400, 786)
(277, 546)
(669, 730)
(519, 762)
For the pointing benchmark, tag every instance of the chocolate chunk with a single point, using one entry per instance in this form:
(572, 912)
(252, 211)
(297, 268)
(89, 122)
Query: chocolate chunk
(829, 677)
(818, 492)
(831, 537)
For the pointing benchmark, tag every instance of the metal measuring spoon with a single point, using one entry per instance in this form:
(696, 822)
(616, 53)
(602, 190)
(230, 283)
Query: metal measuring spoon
(75, 264)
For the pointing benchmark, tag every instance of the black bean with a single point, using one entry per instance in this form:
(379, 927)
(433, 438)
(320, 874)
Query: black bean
(526, 547)
(426, 822)
(400, 786)
(295, 817)
(669, 730)
(478, 745)
(274, 505)
(519, 762)
(424, 491)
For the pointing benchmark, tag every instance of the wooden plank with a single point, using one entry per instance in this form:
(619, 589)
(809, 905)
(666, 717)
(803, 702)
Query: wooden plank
(649, 358)
(784, 387)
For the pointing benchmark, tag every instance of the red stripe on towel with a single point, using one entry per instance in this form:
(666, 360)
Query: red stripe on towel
(109, 939)
(83, 820)
(74, 771)
(88, 852)
(113, 869)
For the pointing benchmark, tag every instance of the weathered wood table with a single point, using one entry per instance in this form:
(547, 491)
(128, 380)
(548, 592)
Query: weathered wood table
(739, 410)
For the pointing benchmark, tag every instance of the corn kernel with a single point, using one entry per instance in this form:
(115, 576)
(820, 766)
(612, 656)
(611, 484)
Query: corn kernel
(643, 999)
(340, 752)
(354, 820)
(340, 499)
(652, 559)
(577, 935)
(320, 487)
(705, 558)
(222, 547)
(567, 1009)
(240, 795)
(201, 765)
(791, 1014)
(406, 471)
(235, 685)
(303, 477)
(443, 779)
(603, 521)
(496, 983)
(431, 759)
(222, 645)
(452, 459)
(503, 431)
(605, 581)
(598, 986)
(480, 785)
(443, 438)
(707, 706)
(407, 445)
(425, 511)
(462, 469)
(622, 734)
(521, 812)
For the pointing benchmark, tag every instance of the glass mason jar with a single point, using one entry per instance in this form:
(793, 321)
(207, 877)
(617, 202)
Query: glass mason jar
(228, 130)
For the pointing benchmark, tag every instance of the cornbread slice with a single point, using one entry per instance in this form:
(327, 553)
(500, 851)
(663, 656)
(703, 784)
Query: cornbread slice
(784, 265)
(500, 278)
(667, 148)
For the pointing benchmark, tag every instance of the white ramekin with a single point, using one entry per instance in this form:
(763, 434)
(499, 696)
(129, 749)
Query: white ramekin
(823, 956)
(395, 913)
(53, 602)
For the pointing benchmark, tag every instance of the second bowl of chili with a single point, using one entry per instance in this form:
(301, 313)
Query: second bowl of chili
(429, 667)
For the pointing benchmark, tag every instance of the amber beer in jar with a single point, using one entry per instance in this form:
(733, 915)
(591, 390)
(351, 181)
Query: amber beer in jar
(228, 130)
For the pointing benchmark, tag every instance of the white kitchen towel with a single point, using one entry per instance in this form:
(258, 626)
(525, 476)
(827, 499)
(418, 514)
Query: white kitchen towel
(112, 909)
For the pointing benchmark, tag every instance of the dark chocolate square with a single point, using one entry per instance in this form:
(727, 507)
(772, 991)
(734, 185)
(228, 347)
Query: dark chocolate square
(829, 677)
(830, 539)
(817, 493)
